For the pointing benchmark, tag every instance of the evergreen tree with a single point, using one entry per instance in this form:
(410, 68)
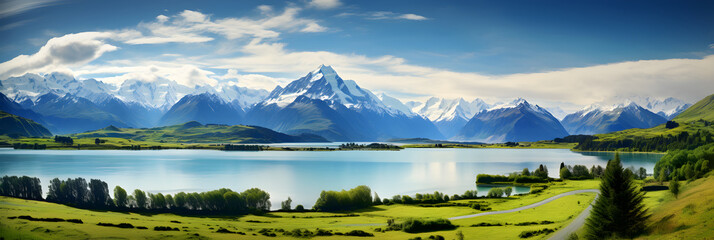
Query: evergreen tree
(674, 187)
(619, 210)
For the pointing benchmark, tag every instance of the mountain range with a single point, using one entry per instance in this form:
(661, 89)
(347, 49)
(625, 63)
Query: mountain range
(596, 119)
(320, 103)
(323, 103)
(512, 122)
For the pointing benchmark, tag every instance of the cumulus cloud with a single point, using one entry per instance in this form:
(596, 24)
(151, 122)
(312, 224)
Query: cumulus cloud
(192, 26)
(185, 74)
(60, 52)
(325, 4)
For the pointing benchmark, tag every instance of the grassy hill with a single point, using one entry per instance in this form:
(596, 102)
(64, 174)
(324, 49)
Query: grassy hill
(687, 217)
(15, 126)
(704, 109)
(694, 124)
(195, 132)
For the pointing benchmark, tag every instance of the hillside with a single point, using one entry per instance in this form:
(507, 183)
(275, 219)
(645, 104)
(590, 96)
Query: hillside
(704, 109)
(195, 132)
(686, 217)
(15, 126)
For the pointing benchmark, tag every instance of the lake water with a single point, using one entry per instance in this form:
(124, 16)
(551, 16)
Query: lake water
(300, 175)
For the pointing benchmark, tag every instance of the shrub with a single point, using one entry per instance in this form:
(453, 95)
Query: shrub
(415, 225)
(495, 193)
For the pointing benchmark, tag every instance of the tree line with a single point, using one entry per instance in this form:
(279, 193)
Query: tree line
(95, 194)
(540, 175)
(662, 143)
(685, 164)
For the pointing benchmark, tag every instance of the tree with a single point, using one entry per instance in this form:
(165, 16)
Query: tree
(619, 211)
(674, 187)
(99, 194)
(285, 205)
(377, 200)
(120, 197)
(299, 208)
(495, 193)
(97, 141)
(140, 197)
(525, 172)
(562, 165)
(258, 199)
(565, 173)
(508, 191)
(662, 176)
(642, 172)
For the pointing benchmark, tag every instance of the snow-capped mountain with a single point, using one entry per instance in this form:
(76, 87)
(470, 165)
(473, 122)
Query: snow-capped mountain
(667, 108)
(323, 103)
(515, 121)
(450, 115)
(133, 103)
(595, 119)
(395, 104)
(206, 108)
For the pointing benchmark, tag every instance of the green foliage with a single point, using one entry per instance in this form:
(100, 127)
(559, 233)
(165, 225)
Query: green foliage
(370, 146)
(508, 191)
(495, 193)
(356, 198)
(285, 205)
(532, 233)
(21, 187)
(674, 187)
(685, 164)
(619, 210)
(416, 225)
(565, 173)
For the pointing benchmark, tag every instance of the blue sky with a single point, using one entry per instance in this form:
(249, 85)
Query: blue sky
(383, 45)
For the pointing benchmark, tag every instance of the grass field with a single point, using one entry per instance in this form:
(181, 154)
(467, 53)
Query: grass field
(560, 212)
(690, 216)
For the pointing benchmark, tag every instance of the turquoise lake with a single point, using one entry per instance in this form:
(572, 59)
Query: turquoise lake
(300, 175)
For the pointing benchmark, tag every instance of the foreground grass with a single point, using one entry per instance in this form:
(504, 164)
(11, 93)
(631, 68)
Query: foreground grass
(560, 212)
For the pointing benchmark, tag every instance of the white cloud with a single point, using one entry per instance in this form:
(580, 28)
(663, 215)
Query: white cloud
(386, 15)
(324, 4)
(254, 81)
(687, 79)
(411, 16)
(162, 18)
(60, 52)
(192, 27)
(13, 7)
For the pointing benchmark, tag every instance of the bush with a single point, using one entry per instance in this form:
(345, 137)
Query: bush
(356, 198)
(415, 225)
(495, 193)
(487, 178)
(527, 234)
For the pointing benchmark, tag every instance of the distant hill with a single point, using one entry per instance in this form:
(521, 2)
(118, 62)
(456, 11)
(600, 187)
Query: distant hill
(15, 126)
(195, 132)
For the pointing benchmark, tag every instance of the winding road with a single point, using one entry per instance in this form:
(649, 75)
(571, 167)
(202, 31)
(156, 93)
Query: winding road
(550, 199)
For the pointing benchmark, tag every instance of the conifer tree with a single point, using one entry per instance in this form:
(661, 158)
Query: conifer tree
(618, 211)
